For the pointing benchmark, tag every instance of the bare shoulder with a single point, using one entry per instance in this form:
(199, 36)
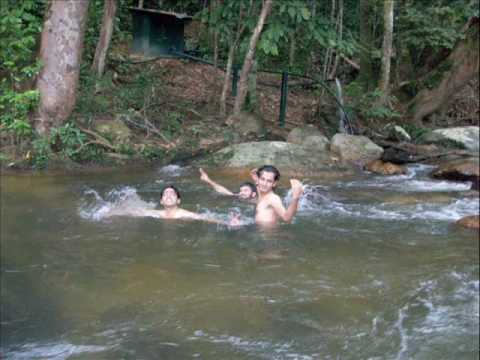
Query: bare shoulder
(274, 198)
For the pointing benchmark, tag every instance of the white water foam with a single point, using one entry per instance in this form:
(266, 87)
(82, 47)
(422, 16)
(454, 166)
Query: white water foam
(439, 309)
(124, 201)
(51, 351)
(317, 200)
(278, 350)
(416, 180)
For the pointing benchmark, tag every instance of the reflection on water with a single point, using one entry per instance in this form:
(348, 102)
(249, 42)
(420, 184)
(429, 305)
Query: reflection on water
(371, 268)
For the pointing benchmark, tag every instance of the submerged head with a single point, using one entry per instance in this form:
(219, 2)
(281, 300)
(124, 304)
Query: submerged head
(170, 196)
(247, 191)
(268, 177)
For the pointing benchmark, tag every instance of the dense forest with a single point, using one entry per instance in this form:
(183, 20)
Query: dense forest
(65, 65)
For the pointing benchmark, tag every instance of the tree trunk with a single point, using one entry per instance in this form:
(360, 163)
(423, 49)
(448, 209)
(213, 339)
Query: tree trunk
(226, 82)
(313, 55)
(109, 10)
(328, 53)
(247, 63)
(366, 44)
(60, 53)
(339, 28)
(252, 99)
(384, 84)
(450, 76)
(214, 4)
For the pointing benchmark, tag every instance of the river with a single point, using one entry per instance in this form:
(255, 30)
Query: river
(371, 268)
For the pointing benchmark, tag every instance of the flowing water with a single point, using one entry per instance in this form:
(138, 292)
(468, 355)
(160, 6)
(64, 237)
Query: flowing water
(371, 268)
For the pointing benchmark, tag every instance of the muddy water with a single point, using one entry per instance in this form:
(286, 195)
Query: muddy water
(371, 268)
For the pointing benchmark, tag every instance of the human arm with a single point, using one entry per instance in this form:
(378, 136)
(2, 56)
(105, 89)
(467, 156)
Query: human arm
(217, 187)
(288, 214)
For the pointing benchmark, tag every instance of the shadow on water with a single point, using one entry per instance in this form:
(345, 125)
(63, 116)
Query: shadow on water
(361, 273)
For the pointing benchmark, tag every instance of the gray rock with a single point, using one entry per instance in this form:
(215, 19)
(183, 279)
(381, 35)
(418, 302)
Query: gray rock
(277, 153)
(316, 143)
(310, 137)
(355, 149)
(466, 136)
(299, 134)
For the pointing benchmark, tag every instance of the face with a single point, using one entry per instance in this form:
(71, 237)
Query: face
(246, 193)
(266, 181)
(169, 198)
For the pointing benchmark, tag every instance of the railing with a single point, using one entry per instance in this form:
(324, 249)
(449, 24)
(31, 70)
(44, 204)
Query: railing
(283, 88)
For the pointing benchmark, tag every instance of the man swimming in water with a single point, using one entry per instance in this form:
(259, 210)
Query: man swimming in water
(248, 191)
(170, 198)
(269, 205)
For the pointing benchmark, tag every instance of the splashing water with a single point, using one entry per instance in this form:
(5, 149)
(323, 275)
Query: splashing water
(124, 201)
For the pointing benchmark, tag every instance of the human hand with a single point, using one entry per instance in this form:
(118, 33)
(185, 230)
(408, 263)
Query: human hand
(235, 219)
(203, 175)
(297, 188)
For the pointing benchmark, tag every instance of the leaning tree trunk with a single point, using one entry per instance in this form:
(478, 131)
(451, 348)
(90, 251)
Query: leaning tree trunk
(247, 63)
(109, 10)
(384, 84)
(450, 76)
(60, 53)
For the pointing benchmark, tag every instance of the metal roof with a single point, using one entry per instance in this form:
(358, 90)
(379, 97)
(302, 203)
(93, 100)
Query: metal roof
(180, 16)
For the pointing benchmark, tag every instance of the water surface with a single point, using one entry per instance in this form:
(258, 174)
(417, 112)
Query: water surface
(372, 268)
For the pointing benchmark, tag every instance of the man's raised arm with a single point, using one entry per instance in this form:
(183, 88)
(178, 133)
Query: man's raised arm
(217, 187)
(288, 214)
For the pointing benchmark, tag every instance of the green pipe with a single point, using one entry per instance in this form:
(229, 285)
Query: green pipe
(234, 80)
(283, 99)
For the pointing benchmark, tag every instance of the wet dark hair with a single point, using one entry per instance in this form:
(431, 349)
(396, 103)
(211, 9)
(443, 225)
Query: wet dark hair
(271, 169)
(170, 187)
(250, 185)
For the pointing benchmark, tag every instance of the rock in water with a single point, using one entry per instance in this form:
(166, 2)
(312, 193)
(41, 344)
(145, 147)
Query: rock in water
(471, 222)
(385, 168)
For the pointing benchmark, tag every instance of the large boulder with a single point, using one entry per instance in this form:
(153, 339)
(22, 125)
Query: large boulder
(465, 136)
(355, 149)
(287, 156)
(308, 136)
(459, 170)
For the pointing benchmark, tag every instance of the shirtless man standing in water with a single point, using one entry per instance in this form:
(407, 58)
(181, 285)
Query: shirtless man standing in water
(269, 205)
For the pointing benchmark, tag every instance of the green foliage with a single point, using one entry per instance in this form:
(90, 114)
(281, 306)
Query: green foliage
(152, 153)
(172, 123)
(69, 142)
(41, 152)
(415, 132)
(68, 138)
(20, 25)
(366, 104)
(425, 27)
